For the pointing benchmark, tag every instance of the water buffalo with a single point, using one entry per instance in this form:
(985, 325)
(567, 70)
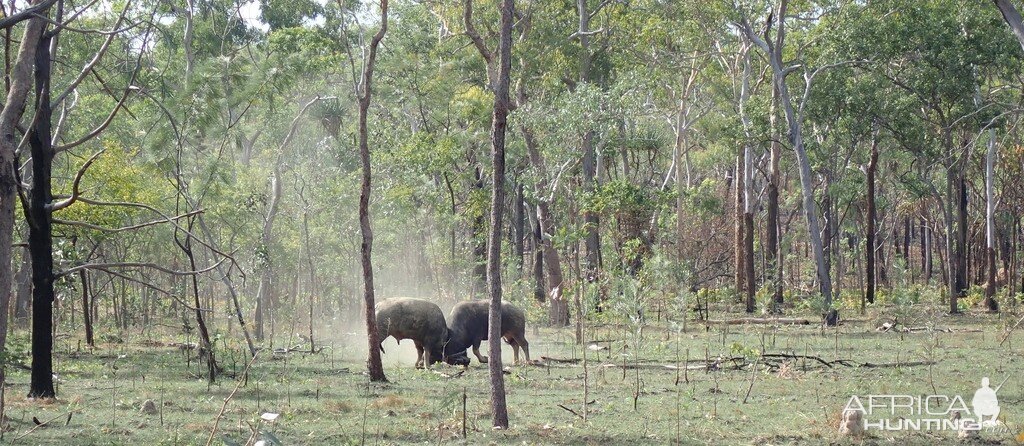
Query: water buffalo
(419, 320)
(468, 326)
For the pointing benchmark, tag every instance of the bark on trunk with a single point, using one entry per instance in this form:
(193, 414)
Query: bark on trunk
(40, 238)
(748, 227)
(518, 227)
(773, 268)
(990, 224)
(558, 311)
(738, 254)
(499, 411)
(590, 219)
(86, 317)
(19, 83)
(263, 295)
(373, 363)
(1012, 18)
(869, 260)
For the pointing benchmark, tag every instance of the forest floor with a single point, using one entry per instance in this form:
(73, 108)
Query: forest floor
(324, 398)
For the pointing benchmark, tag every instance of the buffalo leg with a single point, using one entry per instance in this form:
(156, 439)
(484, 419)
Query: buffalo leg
(521, 342)
(419, 354)
(476, 351)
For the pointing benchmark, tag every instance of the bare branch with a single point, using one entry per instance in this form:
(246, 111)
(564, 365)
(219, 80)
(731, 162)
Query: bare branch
(135, 265)
(467, 17)
(165, 218)
(83, 224)
(96, 57)
(8, 22)
(74, 187)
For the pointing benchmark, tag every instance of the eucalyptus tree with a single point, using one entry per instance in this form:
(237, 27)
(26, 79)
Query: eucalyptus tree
(20, 82)
(373, 363)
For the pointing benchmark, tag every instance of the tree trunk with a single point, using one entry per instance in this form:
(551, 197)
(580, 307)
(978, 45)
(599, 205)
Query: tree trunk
(961, 233)
(738, 226)
(990, 224)
(23, 295)
(518, 227)
(537, 264)
(263, 295)
(748, 227)
(499, 122)
(590, 219)
(869, 260)
(373, 363)
(18, 86)
(773, 269)
(40, 239)
(558, 311)
(479, 238)
(86, 317)
(1012, 18)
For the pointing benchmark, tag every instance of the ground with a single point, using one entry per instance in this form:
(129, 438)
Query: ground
(324, 398)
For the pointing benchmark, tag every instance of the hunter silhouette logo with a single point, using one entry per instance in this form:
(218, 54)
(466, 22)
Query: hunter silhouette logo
(986, 404)
(892, 412)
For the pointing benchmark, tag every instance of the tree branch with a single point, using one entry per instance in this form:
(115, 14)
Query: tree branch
(467, 17)
(135, 265)
(8, 22)
(74, 187)
(83, 224)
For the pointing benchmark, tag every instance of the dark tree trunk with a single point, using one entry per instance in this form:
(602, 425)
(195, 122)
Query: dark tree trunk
(518, 227)
(869, 259)
(499, 411)
(961, 237)
(86, 317)
(206, 343)
(738, 271)
(40, 238)
(373, 363)
(926, 254)
(479, 238)
(539, 292)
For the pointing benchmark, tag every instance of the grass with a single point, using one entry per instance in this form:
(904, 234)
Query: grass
(325, 398)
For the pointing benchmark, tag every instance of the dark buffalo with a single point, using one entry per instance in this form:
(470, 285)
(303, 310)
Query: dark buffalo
(419, 320)
(468, 326)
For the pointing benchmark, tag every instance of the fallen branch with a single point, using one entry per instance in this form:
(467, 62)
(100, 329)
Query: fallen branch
(759, 321)
(571, 411)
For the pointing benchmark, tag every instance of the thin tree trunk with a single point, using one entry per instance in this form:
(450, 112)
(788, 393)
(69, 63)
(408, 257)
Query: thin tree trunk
(263, 295)
(19, 81)
(499, 411)
(537, 251)
(86, 317)
(590, 219)
(869, 260)
(23, 295)
(558, 311)
(773, 269)
(518, 227)
(990, 224)
(373, 363)
(738, 226)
